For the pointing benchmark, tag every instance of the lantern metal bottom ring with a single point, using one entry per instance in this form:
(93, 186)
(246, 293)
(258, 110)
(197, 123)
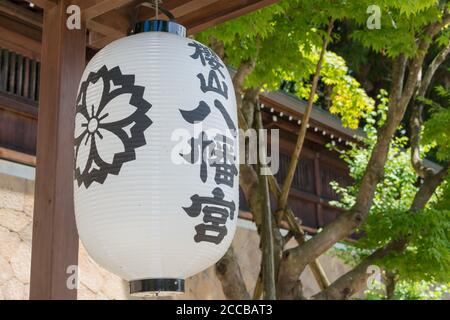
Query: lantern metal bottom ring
(156, 287)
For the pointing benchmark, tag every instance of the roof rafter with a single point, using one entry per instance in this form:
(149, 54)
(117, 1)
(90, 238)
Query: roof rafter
(100, 7)
(21, 13)
(19, 43)
(109, 20)
(44, 4)
(196, 15)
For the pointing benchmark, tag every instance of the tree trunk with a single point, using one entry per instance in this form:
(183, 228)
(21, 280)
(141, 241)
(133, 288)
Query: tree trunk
(230, 276)
(295, 260)
(390, 282)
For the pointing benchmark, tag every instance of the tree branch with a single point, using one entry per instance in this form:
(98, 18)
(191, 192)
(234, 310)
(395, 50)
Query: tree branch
(415, 122)
(434, 28)
(427, 189)
(354, 280)
(415, 66)
(431, 70)
(296, 259)
(282, 201)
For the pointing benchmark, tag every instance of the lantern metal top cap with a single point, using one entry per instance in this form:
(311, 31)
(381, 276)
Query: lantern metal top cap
(159, 26)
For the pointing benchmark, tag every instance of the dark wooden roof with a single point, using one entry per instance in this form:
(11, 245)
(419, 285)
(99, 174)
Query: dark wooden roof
(108, 20)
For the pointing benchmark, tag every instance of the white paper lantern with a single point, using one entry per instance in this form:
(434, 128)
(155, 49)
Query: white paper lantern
(156, 158)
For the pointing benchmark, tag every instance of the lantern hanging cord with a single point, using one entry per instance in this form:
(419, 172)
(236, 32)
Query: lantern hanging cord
(156, 5)
(157, 9)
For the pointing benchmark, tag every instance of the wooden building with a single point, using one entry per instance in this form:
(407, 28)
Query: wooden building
(37, 52)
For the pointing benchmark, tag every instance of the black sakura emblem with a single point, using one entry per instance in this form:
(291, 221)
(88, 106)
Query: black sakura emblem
(109, 125)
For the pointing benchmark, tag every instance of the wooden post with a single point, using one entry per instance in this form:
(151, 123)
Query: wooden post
(268, 265)
(55, 238)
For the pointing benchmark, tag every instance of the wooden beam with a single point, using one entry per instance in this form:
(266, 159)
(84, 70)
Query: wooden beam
(21, 13)
(191, 6)
(18, 105)
(196, 15)
(112, 26)
(104, 29)
(104, 21)
(99, 7)
(21, 37)
(19, 43)
(215, 14)
(44, 4)
(97, 40)
(17, 156)
(177, 8)
(55, 238)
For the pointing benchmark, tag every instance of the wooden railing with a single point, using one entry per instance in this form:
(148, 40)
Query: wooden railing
(19, 94)
(19, 75)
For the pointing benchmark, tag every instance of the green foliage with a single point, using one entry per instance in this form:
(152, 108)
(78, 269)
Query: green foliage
(285, 40)
(286, 44)
(437, 127)
(427, 256)
(411, 290)
(402, 22)
(349, 100)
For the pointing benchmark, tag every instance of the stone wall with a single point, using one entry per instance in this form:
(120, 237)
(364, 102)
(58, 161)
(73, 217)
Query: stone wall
(16, 210)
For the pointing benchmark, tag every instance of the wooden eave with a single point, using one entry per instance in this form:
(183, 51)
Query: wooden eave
(108, 20)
